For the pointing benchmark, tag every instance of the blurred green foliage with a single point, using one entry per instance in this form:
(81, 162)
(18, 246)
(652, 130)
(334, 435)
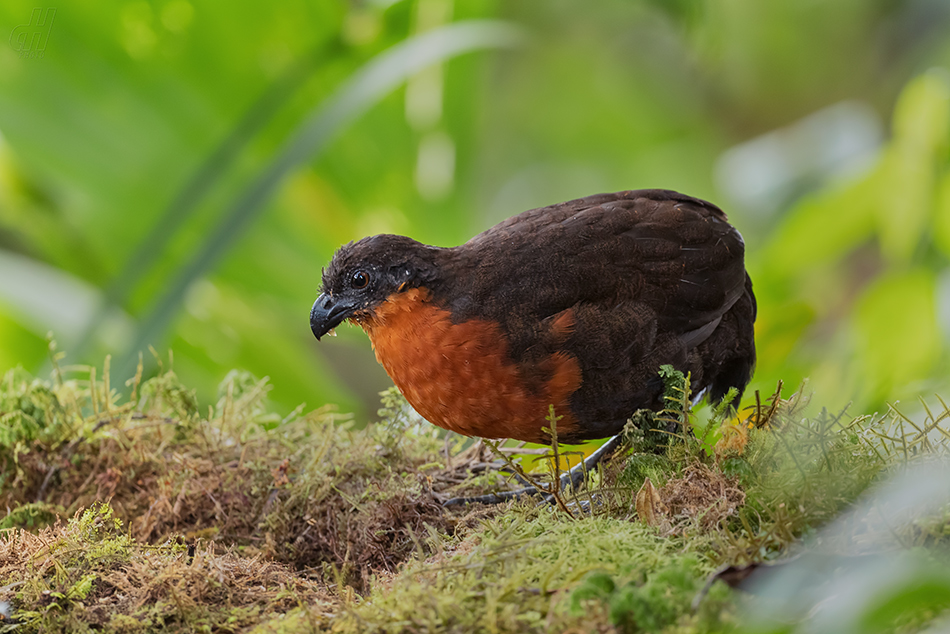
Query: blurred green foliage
(132, 131)
(860, 264)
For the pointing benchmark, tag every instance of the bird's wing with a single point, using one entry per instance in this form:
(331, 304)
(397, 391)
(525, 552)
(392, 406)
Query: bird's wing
(672, 254)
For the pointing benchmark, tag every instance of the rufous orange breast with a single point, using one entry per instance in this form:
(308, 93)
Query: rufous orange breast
(460, 376)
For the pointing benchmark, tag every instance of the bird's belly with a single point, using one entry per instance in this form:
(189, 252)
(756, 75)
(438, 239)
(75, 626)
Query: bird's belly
(459, 375)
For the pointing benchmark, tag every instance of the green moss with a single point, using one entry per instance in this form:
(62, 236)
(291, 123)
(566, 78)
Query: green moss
(89, 574)
(32, 515)
(641, 466)
(331, 527)
(521, 573)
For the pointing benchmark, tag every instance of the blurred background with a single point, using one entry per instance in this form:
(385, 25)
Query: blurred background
(174, 173)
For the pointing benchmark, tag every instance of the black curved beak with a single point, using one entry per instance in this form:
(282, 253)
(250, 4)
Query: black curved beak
(327, 314)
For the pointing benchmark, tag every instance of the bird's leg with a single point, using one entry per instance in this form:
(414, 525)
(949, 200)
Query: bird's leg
(572, 478)
(477, 459)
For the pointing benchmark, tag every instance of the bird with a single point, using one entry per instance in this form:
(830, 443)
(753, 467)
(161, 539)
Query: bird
(575, 305)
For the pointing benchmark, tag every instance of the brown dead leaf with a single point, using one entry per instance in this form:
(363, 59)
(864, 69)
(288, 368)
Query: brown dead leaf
(650, 507)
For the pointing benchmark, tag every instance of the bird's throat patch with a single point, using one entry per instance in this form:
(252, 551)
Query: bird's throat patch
(460, 375)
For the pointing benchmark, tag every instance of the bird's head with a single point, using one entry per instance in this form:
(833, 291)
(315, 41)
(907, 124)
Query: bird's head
(364, 274)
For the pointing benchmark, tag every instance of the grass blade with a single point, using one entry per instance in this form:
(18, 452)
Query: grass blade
(194, 190)
(365, 88)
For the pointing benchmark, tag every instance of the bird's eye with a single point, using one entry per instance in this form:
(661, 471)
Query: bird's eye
(359, 279)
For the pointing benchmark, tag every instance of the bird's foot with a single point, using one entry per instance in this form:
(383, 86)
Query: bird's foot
(570, 479)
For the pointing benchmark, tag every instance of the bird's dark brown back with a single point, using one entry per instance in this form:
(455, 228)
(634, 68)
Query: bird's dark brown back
(624, 283)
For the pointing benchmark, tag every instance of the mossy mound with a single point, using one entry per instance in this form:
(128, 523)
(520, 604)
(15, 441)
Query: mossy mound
(153, 514)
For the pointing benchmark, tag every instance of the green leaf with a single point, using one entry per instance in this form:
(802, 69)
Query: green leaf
(822, 228)
(913, 601)
(898, 337)
(941, 222)
(909, 166)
